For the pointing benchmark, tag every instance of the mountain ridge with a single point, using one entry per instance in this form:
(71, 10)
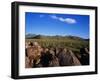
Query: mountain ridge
(39, 36)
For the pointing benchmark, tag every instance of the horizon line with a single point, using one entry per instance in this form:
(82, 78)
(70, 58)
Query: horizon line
(57, 35)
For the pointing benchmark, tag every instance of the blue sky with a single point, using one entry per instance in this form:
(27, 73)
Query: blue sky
(57, 24)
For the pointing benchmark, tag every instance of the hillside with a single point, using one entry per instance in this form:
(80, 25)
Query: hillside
(71, 42)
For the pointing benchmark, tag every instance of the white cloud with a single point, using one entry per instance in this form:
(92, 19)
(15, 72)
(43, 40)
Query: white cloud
(70, 20)
(53, 16)
(66, 20)
(61, 19)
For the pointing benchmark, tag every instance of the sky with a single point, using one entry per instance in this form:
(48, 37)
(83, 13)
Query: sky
(57, 24)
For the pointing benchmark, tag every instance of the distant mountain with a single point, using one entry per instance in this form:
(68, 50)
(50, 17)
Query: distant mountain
(86, 39)
(34, 36)
(30, 36)
(74, 37)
